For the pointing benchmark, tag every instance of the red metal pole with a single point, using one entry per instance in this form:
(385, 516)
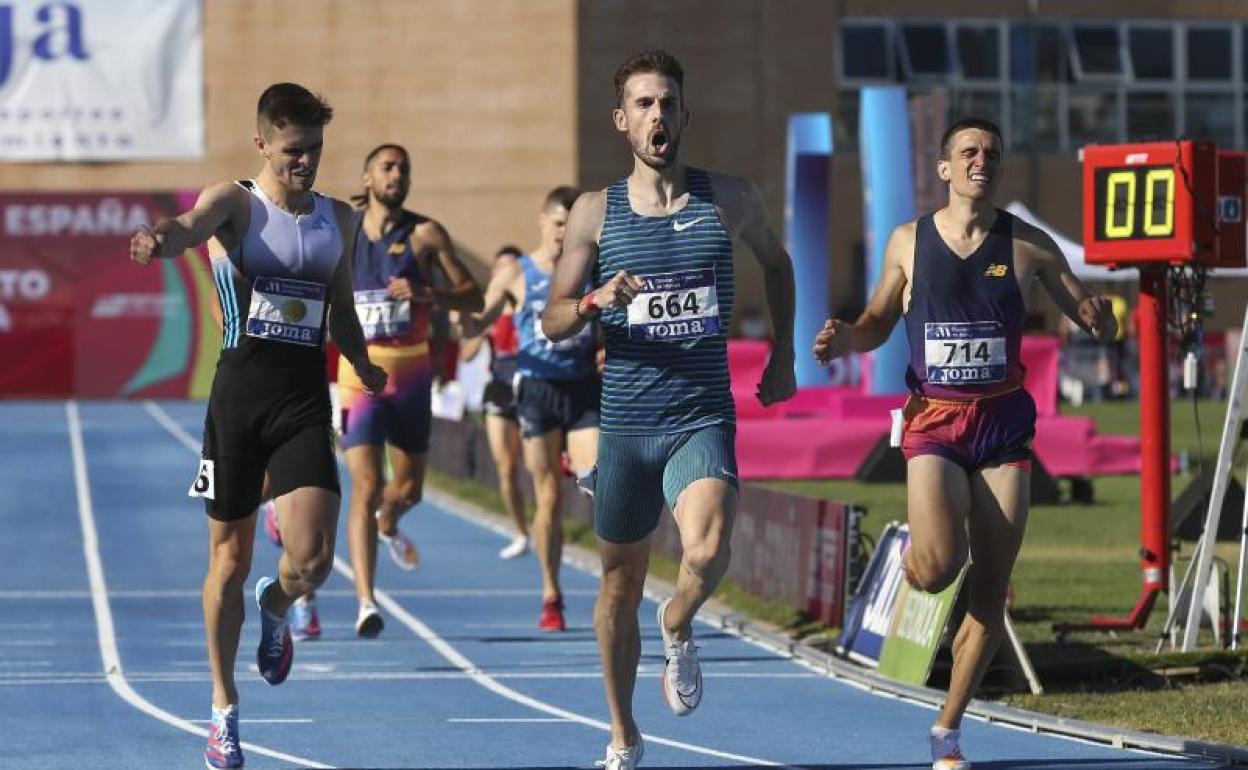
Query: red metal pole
(1154, 429)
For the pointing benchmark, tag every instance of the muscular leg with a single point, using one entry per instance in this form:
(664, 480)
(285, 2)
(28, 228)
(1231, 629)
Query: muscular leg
(619, 634)
(704, 516)
(404, 490)
(229, 562)
(1000, 498)
(364, 465)
(541, 456)
(504, 438)
(938, 499)
(583, 449)
(309, 517)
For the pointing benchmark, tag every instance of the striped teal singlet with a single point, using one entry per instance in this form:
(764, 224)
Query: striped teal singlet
(667, 354)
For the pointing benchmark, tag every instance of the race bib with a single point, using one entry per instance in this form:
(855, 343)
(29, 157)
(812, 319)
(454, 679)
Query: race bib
(382, 316)
(287, 310)
(675, 306)
(964, 353)
(204, 484)
(579, 341)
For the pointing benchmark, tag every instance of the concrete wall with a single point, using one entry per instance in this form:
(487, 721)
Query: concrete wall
(482, 93)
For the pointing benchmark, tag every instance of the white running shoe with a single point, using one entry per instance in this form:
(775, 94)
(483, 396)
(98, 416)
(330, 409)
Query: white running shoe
(623, 759)
(518, 547)
(403, 552)
(682, 676)
(946, 754)
(368, 623)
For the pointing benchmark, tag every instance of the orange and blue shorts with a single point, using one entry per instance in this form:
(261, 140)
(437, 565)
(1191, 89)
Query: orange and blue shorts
(402, 414)
(974, 433)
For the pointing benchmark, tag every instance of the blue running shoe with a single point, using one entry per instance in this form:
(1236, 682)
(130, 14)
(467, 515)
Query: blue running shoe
(224, 751)
(277, 649)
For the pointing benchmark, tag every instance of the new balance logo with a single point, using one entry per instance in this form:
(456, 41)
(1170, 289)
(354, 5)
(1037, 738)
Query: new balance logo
(680, 227)
(996, 271)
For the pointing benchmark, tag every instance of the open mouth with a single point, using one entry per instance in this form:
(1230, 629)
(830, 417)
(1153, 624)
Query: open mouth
(981, 178)
(658, 143)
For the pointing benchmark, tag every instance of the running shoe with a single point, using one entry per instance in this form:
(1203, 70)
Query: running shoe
(552, 615)
(518, 547)
(403, 551)
(305, 623)
(946, 754)
(276, 650)
(682, 675)
(625, 758)
(368, 623)
(224, 751)
(268, 512)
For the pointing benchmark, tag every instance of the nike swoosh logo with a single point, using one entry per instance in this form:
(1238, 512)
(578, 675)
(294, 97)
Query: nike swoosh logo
(680, 227)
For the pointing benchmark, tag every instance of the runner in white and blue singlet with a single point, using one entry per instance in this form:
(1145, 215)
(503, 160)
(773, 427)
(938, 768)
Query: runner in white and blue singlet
(659, 247)
(557, 391)
(284, 280)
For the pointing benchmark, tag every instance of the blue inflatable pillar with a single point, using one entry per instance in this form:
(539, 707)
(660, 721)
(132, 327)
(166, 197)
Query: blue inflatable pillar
(888, 198)
(808, 171)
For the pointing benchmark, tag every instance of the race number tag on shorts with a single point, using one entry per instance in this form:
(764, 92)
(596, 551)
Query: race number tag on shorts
(205, 484)
(971, 353)
(287, 310)
(382, 316)
(675, 306)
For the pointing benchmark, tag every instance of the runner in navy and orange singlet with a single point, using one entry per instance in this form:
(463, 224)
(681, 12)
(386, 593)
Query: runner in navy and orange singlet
(962, 277)
(397, 255)
(658, 245)
(557, 389)
(283, 277)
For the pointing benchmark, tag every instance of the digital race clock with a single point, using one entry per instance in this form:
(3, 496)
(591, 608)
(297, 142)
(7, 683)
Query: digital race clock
(1154, 202)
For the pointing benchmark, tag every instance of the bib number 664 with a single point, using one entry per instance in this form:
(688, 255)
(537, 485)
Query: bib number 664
(672, 306)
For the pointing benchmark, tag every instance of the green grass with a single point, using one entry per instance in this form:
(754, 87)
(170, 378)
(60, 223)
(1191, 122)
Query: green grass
(1080, 560)
(1076, 561)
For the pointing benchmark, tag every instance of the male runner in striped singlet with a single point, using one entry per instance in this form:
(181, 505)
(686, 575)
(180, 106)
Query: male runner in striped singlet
(962, 277)
(283, 278)
(558, 391)
(658, 245)
(397, 254)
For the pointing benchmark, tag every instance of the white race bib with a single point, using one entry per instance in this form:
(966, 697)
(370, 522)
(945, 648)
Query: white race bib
(205, 483)
(287, 310)
(382, 316)
(675, 306)
(971, 353)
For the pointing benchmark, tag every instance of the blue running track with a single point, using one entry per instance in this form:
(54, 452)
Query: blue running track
(102, 660)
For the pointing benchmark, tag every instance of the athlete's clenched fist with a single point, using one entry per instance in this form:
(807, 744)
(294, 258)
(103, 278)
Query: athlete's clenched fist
(619, 291)
(145, 246)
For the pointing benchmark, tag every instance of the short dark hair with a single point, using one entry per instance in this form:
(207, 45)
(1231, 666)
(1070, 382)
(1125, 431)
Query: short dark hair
(562, 195)
(658, 61)
(379, 149)
(284, 104)
(509, 250)
(983, 124)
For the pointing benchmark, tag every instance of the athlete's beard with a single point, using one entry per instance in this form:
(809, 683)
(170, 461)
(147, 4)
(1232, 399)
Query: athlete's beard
(390, 200)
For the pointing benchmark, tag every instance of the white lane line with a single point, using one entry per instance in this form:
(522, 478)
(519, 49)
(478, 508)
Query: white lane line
(457, 659)
(106, 632)
(295, 721)
(509, 720)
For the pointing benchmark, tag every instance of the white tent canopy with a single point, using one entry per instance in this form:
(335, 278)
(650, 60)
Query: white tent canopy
(1074, 253)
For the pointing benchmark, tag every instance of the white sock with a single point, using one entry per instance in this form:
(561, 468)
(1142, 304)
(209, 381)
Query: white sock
(225, 712)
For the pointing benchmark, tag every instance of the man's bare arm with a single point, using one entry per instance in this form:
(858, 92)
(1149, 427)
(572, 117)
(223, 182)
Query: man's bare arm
(216, 207)
(876, 322)
(1092, 312)
(463, 293)
(498, 292)
(580, 251)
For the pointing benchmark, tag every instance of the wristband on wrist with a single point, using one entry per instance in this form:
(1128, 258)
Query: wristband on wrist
(587, 307)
